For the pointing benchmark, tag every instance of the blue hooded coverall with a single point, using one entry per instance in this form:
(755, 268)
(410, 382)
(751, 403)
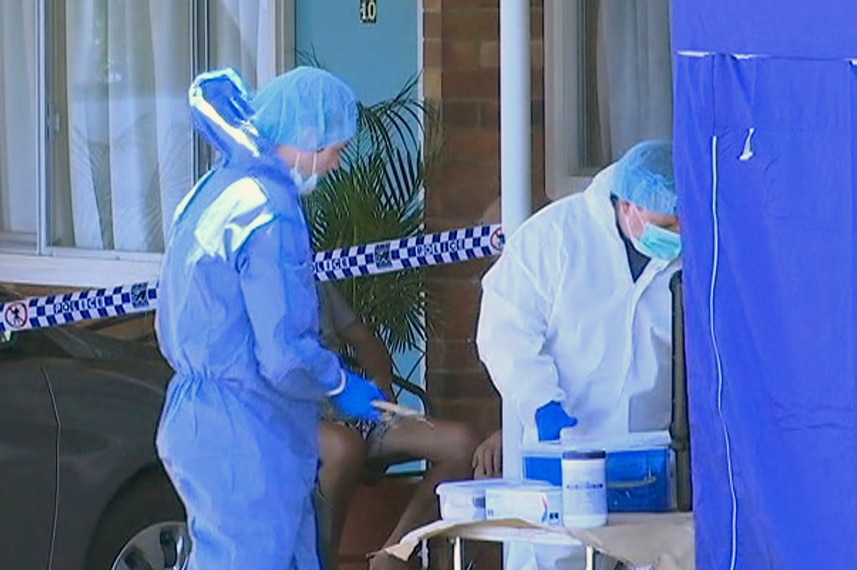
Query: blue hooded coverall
(238, 321)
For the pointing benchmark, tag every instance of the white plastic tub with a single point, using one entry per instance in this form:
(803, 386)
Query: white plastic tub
(531, 501)
(465, 500)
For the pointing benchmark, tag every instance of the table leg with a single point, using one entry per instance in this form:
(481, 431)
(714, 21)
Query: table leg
(590, 558)
(457, 554)
(424, 555)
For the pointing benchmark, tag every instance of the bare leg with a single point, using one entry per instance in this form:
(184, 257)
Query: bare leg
(448, 446)
(343, 454)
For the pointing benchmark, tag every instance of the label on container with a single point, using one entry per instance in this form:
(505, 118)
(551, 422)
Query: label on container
(537, 506)
(584, 491)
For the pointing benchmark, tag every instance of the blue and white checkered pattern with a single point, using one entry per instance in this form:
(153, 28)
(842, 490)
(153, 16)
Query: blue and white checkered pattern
(53, 310)
(371, 259)
(432, 249)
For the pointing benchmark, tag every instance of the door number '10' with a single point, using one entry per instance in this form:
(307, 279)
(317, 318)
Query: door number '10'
(368, 11)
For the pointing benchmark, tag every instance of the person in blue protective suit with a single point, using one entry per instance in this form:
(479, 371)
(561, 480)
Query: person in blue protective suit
(575, 319)
(238, 320)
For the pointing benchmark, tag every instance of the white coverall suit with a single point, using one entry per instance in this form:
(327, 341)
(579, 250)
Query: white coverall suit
(562, 319)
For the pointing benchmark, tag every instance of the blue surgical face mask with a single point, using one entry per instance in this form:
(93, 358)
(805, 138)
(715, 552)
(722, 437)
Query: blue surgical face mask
(657, 242)
(305, 184)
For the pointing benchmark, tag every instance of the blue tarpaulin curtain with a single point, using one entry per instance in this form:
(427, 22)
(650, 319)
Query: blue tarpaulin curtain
(765, 154)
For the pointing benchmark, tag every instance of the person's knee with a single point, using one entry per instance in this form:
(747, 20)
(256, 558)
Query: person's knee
(459, 443)
(342, 448)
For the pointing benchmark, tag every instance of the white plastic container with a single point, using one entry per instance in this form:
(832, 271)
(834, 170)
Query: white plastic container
(584, 488)
(531, 501)
(465, 500)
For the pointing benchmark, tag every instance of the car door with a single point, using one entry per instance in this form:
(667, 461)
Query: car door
(28, 468)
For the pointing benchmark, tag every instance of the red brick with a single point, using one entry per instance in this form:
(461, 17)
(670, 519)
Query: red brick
(537, 84)
(537, 54)
(457, 303)
(538, 159)
(447, 223)
(458, 4)
(435, 353)
(457, 318)
(537, 114)
(537, 22)
(454, 321)
(471, 84)
(462, 54)
(471, 24)
(459, 114)
(432, 25)
(489, 115)
(432, 54)
(463, 356)
(469, 201)
(432, 5)
(538, 147)
(453, 356)
(434, 203)
(472, 144)
(473, 269)
(489, 54)
(457, 295)
(459, 173)
(432, 84)
(434, 104)
(492, 213)
(434, 209)
(471, 385)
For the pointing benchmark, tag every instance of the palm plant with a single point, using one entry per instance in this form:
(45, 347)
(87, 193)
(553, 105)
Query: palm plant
(377, 195)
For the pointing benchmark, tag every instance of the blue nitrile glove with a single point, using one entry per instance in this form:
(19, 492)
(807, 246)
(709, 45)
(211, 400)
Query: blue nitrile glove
(550, 419)
(354, 398)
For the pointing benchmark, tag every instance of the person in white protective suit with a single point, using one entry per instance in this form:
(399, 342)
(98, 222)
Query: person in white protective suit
(575, 319)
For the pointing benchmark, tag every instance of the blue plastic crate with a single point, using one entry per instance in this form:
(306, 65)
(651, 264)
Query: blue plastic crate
(544, 468)
(638, 480)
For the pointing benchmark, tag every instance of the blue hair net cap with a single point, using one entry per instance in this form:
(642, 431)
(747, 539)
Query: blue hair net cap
(306, 108)
(644, 176)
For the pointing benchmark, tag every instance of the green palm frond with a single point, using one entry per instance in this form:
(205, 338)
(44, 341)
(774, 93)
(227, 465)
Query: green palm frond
(391, 124)
(368, 201)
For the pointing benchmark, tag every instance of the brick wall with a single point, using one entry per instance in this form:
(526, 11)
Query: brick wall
(462, 80)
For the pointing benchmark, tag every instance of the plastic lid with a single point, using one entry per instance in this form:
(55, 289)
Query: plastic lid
(584, 454)
(472, 486)
(541, 449)
(633, 440)
(526, 485)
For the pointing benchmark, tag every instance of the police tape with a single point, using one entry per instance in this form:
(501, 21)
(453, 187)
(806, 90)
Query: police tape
(440, 248)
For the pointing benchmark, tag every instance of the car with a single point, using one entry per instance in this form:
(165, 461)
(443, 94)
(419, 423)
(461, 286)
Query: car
(81, 486)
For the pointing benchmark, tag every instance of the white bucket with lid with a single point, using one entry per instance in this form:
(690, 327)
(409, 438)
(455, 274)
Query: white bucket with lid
(465, 500)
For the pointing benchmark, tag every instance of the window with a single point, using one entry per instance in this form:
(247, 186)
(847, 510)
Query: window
(97, 148)
(608, 79)
(18, 124)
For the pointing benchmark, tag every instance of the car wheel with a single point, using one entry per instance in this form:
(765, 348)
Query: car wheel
(143, 528)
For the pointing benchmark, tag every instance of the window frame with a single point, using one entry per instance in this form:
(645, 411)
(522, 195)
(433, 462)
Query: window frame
(27, 258)
(564, 175)
(565, 69)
